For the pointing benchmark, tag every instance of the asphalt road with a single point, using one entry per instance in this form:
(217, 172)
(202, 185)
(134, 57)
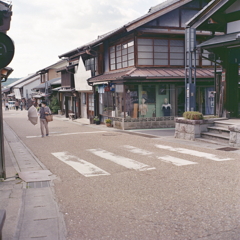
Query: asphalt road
(116, 185)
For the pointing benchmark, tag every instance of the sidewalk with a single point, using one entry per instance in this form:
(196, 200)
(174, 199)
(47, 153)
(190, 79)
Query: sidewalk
(31, 209)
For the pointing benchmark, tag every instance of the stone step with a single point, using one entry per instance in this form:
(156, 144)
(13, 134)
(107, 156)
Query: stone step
(219, 130)
(215, 137)
(221, 125)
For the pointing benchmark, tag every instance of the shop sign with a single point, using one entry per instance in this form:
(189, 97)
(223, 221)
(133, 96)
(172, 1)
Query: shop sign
(107, 89)
(223, 76)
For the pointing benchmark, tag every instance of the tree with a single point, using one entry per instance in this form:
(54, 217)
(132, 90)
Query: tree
(54, 105)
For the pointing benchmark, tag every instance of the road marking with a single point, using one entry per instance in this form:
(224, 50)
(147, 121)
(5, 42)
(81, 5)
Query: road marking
(85, 168)
(193, 153)
(123, 161)
(137, 150)
(65, 134)
(176, 161)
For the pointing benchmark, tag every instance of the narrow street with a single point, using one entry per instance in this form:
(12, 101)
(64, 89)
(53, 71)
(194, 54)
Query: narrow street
(111, 184)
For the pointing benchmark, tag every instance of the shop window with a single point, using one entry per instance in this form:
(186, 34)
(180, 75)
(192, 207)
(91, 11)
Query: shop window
(91, 102)
(122, 55)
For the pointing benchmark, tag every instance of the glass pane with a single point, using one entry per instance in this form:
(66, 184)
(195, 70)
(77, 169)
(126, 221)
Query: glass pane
(145, 55)
(119, 59)
(160, 49)
(124, 64)
(177, 49)
(113, 67)
(145, 48)
(131, 49)
(179, 43)
(161, 42)
(145, 61)
(119, 54)
(176, 56)
(206, 62)
(119, 65)
(177, 62)
(161, 55)
(124, 51)
(124, 46)
(112, 55)
(131, 63)
(160, 62)
(112, 60)
(131, 56)
(112, 49)
(130, 43)
(124, 58)
(143, 41)
(118, 47)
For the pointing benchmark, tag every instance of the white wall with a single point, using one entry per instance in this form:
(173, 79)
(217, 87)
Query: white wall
(29, 87)
(81, 77)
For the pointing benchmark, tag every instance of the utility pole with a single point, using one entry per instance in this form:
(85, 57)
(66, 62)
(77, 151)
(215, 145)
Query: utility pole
(6, 56)
(2, 159)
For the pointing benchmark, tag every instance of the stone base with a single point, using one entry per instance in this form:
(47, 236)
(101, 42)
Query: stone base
(143, 123)
(234, 139)
(190, 129)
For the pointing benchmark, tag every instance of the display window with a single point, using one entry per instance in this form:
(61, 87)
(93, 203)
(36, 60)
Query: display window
(149, 100)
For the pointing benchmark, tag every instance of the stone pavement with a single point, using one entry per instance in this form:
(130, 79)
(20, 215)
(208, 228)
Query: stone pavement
(29, 201)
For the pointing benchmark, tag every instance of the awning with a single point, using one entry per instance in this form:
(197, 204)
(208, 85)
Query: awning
(6, 89)
(37, 96)
(56, 89)
(67, 90)
(11, 95)
(221, 41)
(141, 74)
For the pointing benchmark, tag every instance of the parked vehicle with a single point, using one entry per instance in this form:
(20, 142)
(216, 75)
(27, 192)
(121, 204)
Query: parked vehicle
(11, 104)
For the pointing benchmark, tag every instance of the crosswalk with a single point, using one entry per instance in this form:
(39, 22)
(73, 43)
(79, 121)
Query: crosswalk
(88, 169)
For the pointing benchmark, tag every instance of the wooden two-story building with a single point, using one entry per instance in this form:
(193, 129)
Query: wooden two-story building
(138, 70)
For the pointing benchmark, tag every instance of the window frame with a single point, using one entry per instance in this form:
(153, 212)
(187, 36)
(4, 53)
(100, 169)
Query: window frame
(118, 58)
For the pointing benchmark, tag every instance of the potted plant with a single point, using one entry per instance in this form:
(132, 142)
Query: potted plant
(108, 122)
(96, 120)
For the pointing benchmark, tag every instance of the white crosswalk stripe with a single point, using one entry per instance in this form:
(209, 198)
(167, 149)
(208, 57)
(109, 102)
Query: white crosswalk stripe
(137, 150)
(123, 161)
(193, 153)
(85, 168)
(176, 161)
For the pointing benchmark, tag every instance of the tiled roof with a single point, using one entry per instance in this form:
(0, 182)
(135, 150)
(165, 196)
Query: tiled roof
(150, 73)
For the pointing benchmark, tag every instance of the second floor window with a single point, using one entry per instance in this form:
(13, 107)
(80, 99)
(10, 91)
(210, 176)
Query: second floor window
(91, 64)
(160, 52)
(122, 55)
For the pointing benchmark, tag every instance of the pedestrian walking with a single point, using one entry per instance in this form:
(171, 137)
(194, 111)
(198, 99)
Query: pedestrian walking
(6, 106)
(17, 105)
(21, 105)
(43, 122)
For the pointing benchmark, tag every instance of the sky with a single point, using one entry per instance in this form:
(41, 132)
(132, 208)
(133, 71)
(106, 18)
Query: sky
(42, 29)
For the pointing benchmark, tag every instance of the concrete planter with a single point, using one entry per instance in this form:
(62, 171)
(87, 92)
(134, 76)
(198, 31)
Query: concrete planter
(190, 129)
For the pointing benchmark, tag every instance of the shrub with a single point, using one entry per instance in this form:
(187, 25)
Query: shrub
(193, 115)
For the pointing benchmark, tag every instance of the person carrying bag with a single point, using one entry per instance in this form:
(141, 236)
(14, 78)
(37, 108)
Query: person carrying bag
(45, 113)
